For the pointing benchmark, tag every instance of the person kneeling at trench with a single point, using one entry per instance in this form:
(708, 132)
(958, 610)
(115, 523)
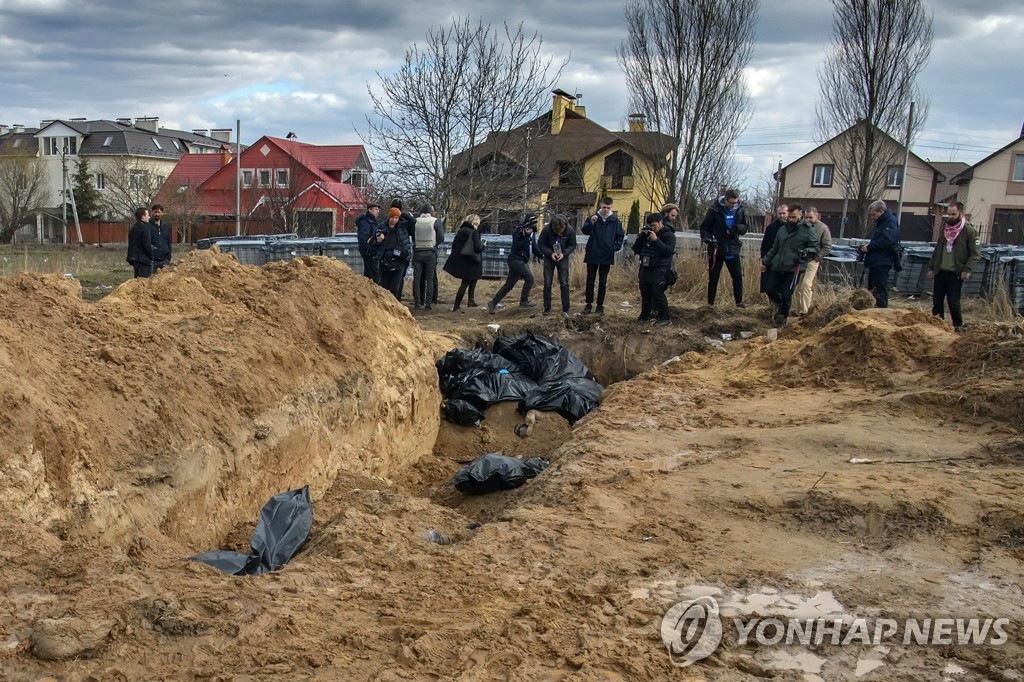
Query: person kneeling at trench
(655, 246)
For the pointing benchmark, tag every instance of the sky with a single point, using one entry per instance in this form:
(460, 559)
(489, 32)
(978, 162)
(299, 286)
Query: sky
(305, 66)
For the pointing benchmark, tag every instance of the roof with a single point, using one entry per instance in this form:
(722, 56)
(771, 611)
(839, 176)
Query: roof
(194, 169)
(327, 157)
(966, 175)
(947, 170)
(838, 135)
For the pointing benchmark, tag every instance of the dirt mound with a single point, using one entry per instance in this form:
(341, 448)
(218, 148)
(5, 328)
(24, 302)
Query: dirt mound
(177, 404)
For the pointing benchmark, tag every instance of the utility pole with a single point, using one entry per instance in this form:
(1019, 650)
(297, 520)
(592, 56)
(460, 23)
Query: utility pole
(238, 177)
(846, 205)
(64, 195)
(906, 162)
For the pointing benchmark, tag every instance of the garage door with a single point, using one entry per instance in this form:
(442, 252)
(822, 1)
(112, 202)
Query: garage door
(1008, 226)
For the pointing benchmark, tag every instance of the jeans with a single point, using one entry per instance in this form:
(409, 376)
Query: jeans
(652, 292)
(563, 282)
(878, 284)
(423, 266)
(947, 288)
(517, 270)
(780, 290)
(735, 266)
(599, 272)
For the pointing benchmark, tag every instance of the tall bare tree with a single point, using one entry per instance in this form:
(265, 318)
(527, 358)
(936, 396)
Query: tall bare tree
(130, 182)
(24, 190)
(867, 82)
(465, 81)
(684, 61)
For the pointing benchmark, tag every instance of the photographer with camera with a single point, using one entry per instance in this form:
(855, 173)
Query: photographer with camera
(392, 247)
(721, 229)
(795, 245)
(878, 252)
(656, 245)
(805, 287)
(523, 243)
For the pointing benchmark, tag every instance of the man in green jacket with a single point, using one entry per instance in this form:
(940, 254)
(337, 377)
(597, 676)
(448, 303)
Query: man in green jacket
(956, 252)
(795, 245)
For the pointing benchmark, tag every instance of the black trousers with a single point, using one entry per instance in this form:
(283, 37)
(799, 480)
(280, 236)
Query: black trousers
(878, 284)
(142, 271)
(735, 265)
(563, 282)
(466, 285)
(517, 270)
(600, 273)
(652, 292)
(948, 287)
(371, 269)
(780, 287)
(392, 280)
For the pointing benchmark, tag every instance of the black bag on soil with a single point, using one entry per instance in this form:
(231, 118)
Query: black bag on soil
(283, 527)
(530, 368)
(496, 472)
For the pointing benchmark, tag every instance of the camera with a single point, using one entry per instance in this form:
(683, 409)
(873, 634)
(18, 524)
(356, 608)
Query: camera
(860, 256)
(646, 230)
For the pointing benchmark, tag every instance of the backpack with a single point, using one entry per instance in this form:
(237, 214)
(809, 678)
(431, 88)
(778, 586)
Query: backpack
(424, 236)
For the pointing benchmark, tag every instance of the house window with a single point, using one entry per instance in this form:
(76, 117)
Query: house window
(137, 179)
(894, 176)
(108, 140)
(157, 143)
(569, 174)
(17, 143)
(264, 177)
(176, 145)
(1018, 168)
(101, 182)
(182, 189)
(246, 177)
(618, 170)
(53, 146)
(282, 177)
(821, 176)
(358, 177)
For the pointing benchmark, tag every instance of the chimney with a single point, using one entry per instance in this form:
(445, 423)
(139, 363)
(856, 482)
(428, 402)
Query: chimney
(18, 128)
(225, 158)
(45, 122)
(579, 108)
(150, 123)
(221, 134)
(77, 120)
(124, 121)
(560, 104)
(201, 131)
(3, 128)
(636, 123)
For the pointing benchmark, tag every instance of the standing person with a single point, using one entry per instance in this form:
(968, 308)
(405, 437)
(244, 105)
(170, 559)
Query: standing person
(407, 221)
(428, 234)
(669, 213)
(656, 245)
(519, 264)
(878, 253)
(794, 246)
(768, 240)
(140, 244)
(466, 262)
(556, 243)
(606, 237)
(392, 248)
(956, 252)
(366, 230)
(805, 288)
(161, 237)
(721, 228)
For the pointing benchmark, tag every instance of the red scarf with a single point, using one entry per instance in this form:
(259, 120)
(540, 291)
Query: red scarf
(952, 232)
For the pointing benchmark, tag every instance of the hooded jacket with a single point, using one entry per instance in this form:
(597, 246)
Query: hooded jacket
(606, 237)
(714, 227)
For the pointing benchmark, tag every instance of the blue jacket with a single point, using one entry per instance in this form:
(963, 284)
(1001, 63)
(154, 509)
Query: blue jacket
(366, 228)
(606, 237)
(883, 240)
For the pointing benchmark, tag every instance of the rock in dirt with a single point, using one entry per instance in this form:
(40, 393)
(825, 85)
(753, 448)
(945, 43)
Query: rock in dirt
(71, 637)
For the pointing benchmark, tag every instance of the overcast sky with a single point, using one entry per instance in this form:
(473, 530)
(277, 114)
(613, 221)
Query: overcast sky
(304, 66)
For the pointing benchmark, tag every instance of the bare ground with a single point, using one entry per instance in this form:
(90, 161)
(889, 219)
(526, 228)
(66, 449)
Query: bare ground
(152, 425)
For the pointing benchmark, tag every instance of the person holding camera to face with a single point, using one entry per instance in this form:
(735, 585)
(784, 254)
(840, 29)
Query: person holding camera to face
(392, 247)
(523, 243)
(795, 245)
(655, 246)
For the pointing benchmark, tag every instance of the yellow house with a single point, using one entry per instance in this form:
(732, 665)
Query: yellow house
(992, 192)
(564, 163)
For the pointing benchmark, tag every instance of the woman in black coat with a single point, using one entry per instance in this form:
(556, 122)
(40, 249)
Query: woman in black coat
(465, 267)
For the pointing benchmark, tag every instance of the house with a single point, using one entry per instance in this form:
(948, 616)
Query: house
(128, 161)
(283, 186)
(562, 162)
(814, 179)
(992, 192)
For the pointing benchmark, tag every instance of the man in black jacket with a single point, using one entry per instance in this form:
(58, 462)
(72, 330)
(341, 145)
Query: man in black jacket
(519, 264)
(768, 240)
(721, 229)
(140, 244)
(556, 243)
(366, 230)
(161, 237)
(655, 246)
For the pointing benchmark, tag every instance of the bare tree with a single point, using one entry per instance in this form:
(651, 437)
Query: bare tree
(130, 182)
(464, 83)
(23, 191)
(867, 82)
(688, 81)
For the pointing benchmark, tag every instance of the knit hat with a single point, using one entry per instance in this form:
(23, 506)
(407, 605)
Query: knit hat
(394, 213)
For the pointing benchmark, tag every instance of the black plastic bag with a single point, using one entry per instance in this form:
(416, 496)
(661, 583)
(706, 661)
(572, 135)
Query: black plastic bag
(462, 412)
(496, 472)
(284, 525)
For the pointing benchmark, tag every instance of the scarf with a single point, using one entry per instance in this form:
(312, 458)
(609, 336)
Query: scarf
(951, 232)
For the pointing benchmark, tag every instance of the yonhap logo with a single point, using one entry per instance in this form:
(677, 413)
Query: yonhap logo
(691, 631)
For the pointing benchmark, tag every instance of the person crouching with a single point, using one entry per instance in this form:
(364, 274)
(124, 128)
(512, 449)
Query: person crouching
(656, 245)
